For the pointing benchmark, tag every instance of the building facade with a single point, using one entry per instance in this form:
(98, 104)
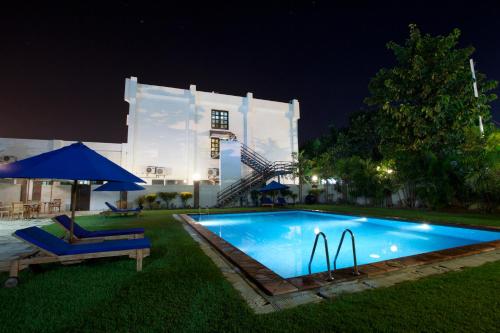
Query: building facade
(174, 134)
(174, 137)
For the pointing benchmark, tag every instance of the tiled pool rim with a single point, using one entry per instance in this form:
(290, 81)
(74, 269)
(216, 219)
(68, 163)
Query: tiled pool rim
(273, 284)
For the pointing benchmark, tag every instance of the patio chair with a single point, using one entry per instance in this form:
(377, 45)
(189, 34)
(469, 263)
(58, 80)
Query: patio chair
(56, 203)
(266, 202)
(83, 234)
(52, 249)
(17, 209)
(121, 212)
(4, 210)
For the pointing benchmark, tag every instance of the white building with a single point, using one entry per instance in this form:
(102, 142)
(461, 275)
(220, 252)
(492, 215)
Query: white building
(174, 137)
(175, 134)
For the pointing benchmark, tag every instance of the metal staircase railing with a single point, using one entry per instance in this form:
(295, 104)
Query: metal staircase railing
(255, 178)
(263, 170)
(253, 159)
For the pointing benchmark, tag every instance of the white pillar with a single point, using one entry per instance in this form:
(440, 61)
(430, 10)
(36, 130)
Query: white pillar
(129, 148)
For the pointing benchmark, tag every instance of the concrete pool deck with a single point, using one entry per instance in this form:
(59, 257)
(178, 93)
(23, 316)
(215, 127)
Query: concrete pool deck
(11, 247)
(257, 286)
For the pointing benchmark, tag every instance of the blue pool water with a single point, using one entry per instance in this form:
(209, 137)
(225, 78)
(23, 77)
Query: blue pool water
(283, 241)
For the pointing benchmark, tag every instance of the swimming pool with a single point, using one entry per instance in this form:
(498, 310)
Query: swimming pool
(283, 240)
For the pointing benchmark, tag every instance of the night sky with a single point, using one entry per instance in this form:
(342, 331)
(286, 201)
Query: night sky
(63, 67)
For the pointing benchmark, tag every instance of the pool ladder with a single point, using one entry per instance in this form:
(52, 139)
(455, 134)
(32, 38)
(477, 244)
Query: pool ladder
(330, 277)
(356, 272)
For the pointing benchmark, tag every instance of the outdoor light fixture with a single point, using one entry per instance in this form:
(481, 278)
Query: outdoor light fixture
(476, 93)
(314, 178)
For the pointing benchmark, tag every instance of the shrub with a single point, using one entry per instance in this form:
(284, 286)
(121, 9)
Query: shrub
(254, 194)
(315, 192)
(151, 198)
(141, 200)
(168, 197)
(185, 196)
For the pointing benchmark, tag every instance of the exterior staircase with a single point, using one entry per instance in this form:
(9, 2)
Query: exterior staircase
(263, 170)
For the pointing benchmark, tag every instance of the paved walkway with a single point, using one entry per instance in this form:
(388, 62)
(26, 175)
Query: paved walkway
(11, 247)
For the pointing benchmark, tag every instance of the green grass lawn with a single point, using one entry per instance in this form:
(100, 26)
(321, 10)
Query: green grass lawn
(181, 290)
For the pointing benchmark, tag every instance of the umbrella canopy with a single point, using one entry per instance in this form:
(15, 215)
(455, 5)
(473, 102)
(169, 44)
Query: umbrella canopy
(74, 162)
(273, 186)
(119, 186)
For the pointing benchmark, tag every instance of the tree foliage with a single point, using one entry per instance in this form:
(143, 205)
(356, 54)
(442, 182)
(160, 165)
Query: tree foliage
(420, 134)
(426, 101)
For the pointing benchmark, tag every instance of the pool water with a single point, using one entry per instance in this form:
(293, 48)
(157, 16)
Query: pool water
(283, 241)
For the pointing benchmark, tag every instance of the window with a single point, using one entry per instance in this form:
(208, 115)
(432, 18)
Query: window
(157, 182)
(220, 119)
(214, 147)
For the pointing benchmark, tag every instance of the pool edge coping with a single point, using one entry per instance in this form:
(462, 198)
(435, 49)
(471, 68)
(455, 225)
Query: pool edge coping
(273, 284)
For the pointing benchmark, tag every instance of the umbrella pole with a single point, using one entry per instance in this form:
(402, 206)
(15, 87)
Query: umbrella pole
(73, 208)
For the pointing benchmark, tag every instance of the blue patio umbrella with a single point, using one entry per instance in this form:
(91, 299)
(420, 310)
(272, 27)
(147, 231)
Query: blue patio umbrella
(273, 186)
(74, 162)
(122, 187)
(119, 186)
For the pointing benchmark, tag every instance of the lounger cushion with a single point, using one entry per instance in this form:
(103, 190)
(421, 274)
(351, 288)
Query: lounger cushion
(51, 243)
(80, 232)
(282, 201)
(43, 239)
(116, 210)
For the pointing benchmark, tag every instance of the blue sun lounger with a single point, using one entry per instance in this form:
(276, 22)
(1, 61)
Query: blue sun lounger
(282, 202)
(122, 212)
(53, 249)
(83, 234)
(266, 202)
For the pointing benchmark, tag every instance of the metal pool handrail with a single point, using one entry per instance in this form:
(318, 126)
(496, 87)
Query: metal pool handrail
(356, 272)
(330, 277)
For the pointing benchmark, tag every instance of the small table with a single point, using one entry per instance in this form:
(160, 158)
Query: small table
(29, 209)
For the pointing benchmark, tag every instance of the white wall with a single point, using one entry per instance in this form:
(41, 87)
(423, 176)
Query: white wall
(56, 191)
(9, 193)
(208, 194)
(230, 163)
(170, 127)
(98, 199)
(23, 148)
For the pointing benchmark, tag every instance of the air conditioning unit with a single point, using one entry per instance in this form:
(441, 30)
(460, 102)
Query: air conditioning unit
(165, 171)
(213, 173)
(162, 171)
(150, 170)
(7, 159)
